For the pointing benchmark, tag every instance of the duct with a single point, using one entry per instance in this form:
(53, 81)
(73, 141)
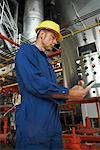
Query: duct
(32, 17)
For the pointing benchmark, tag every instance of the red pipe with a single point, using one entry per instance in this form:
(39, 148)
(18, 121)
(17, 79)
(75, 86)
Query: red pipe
(9, 40)
(84, 138)
(54, 54)
(83, 101)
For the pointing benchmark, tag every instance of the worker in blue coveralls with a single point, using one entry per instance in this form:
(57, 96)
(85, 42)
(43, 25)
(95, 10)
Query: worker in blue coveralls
(37, 119)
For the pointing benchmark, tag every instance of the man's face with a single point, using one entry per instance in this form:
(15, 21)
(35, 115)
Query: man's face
(49, 39)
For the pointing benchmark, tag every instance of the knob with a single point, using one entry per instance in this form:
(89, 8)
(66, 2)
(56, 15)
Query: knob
(87, 74)
(92, 59)
(93, 65)
(84, 60)
(86, 67)
(94, 72)
(79, 68)
(99, 56)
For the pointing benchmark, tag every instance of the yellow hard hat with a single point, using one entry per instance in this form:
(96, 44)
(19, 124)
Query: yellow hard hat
(50, 25)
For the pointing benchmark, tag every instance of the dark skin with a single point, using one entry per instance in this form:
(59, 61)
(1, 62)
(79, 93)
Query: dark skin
(45, 42)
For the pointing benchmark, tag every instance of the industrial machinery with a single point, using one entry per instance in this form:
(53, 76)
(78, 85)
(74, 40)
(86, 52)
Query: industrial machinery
(88, 68)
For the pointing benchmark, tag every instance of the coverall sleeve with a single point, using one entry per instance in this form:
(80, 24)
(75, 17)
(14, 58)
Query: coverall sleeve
(34, 81)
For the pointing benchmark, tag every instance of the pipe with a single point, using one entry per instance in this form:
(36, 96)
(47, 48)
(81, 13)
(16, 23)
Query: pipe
(6, 106)
(83, 101)
(10, 85)
(32, 17)
(56, 53)
(9, 40)
(84, 138)
(82, 30)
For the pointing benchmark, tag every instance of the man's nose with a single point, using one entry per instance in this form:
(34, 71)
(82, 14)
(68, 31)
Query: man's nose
(55, 41)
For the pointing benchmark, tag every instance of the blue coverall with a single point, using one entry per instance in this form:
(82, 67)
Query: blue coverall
(37, 119)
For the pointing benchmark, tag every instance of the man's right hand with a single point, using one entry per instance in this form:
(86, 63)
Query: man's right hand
(75, 93)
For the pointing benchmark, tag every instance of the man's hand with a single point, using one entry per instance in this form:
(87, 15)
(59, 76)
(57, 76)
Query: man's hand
(77, 92)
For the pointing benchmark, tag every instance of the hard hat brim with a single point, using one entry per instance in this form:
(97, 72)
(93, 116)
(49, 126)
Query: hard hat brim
(60, 38)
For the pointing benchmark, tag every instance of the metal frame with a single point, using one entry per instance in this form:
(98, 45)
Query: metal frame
(7, 21)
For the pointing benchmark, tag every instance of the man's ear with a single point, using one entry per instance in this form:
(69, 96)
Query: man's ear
(42, 34)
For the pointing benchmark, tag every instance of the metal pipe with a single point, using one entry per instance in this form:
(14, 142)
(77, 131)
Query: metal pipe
(32, 17)
(82, 30)
(56, 53)
(6, 105)
(84, 138)
(85, 101)
(9, 40)
(10, 85)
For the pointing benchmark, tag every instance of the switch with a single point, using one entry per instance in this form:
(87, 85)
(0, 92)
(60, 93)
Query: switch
(93, 65)
(84, 60)
(87, 74)
(92, 59)
(86, 67)
(94, 72)
(99, 56)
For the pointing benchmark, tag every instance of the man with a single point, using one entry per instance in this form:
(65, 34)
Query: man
(38, 125)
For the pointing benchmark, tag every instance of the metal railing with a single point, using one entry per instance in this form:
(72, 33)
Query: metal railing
(8, 27)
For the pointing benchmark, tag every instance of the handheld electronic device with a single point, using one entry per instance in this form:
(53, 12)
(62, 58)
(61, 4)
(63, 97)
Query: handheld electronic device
(90, 84)
(92, 81)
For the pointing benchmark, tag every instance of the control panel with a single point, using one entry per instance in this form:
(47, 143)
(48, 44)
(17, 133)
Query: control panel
(88, 68)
